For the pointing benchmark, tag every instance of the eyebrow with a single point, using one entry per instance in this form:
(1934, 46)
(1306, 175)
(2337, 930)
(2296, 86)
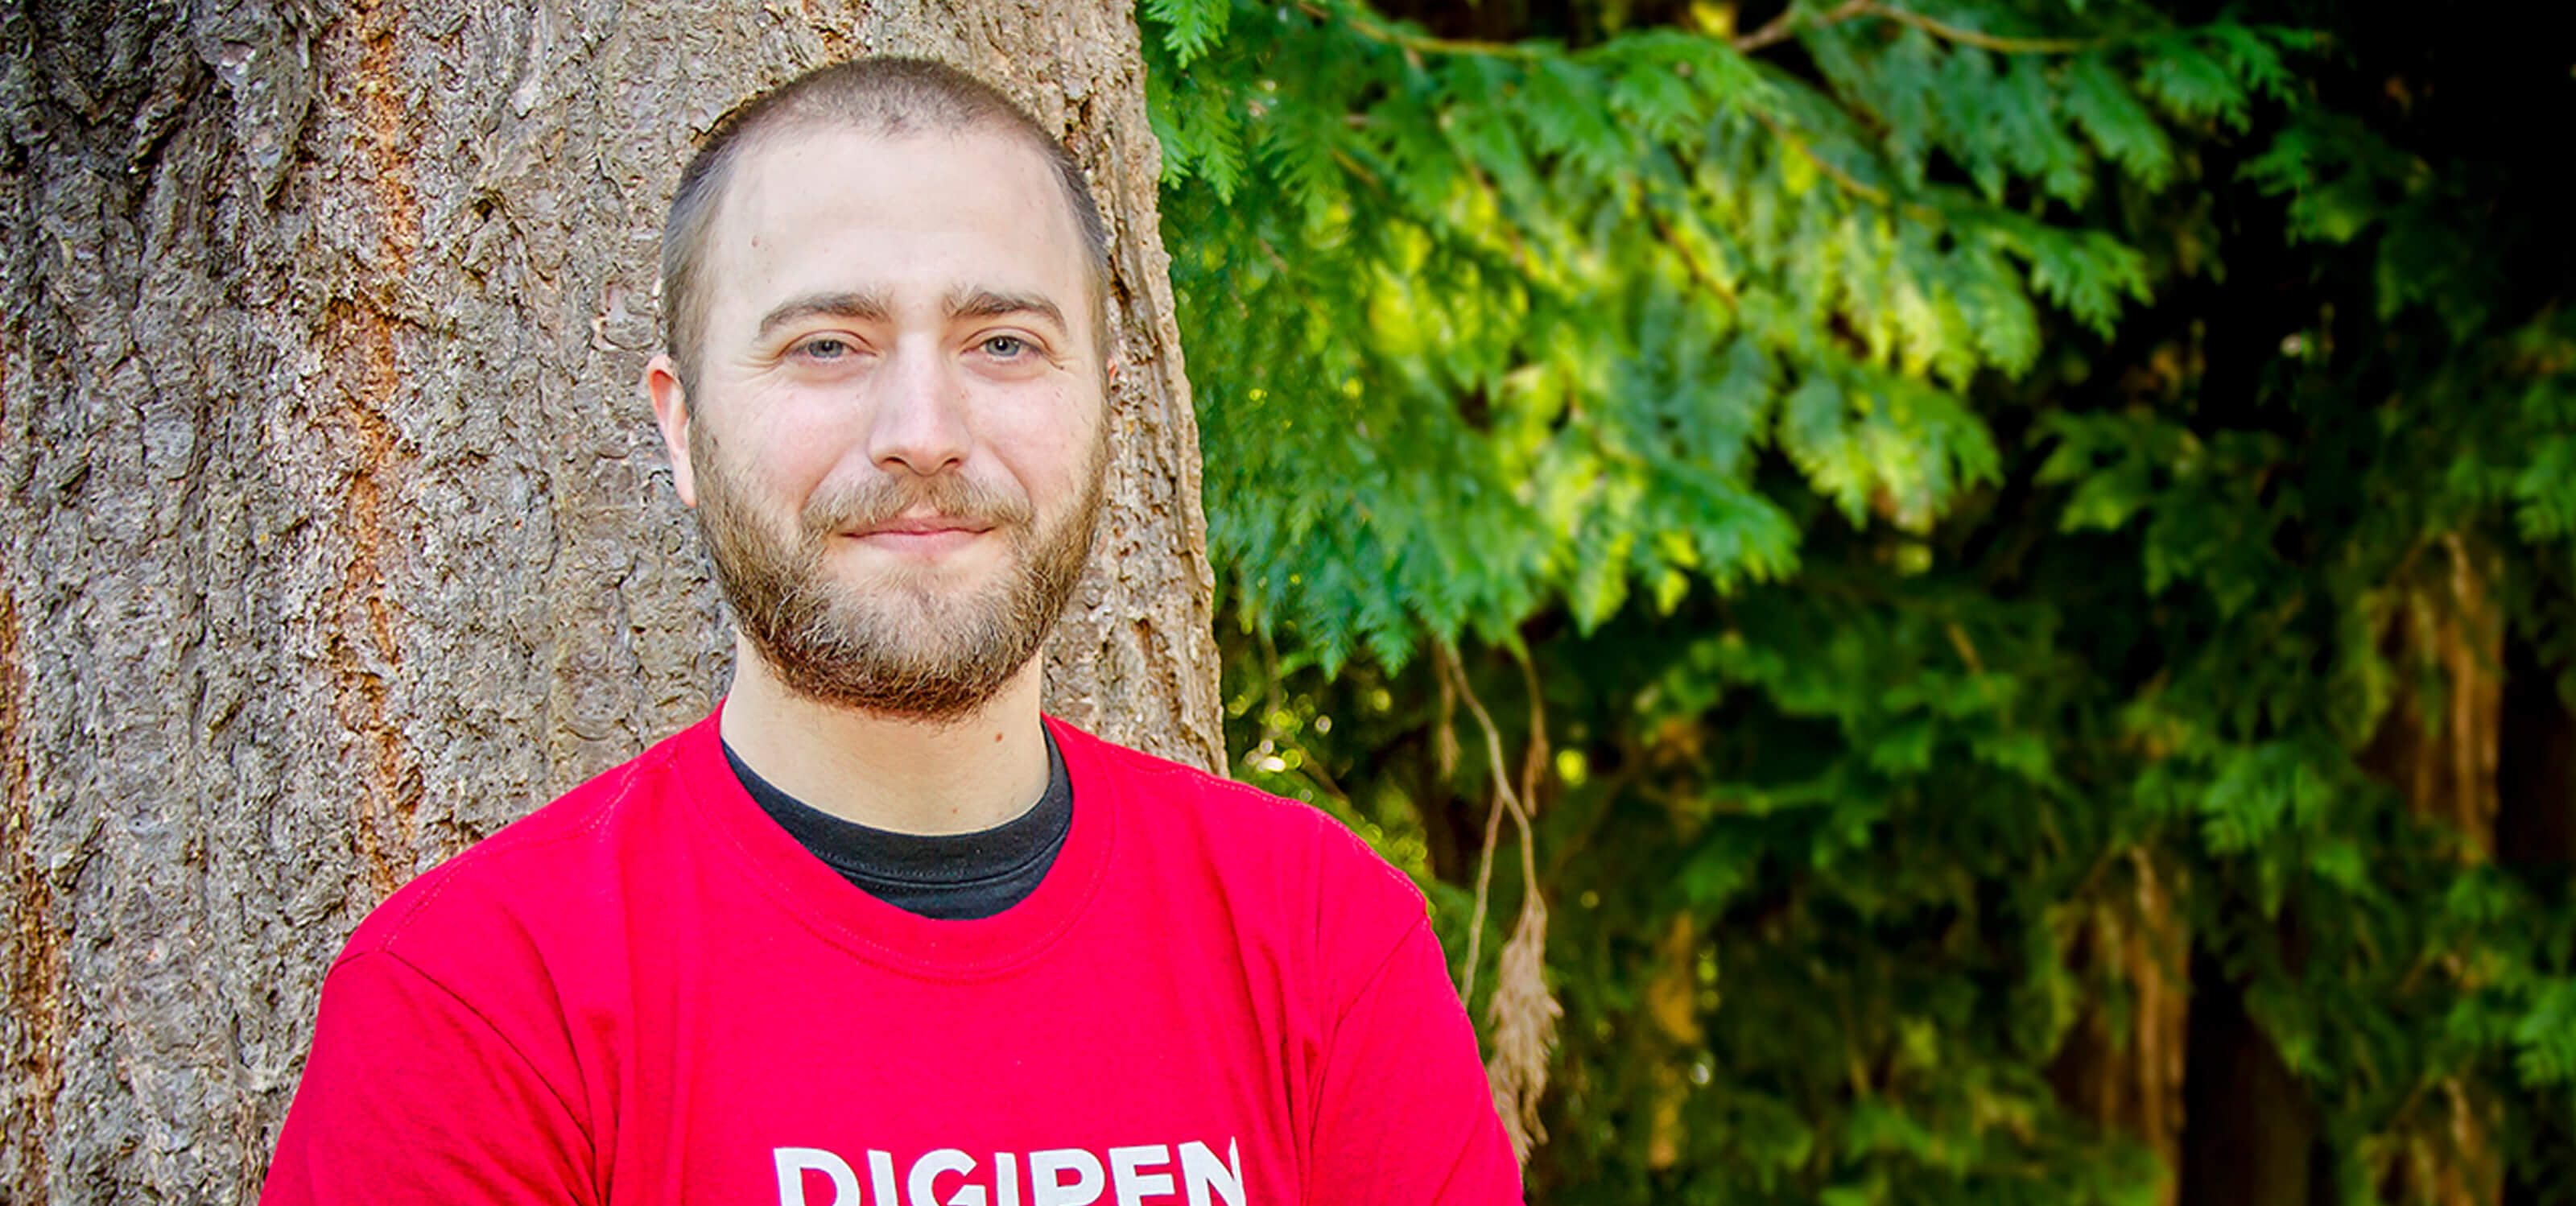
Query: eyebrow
(864, 306)
(993, 303)
(871, 306)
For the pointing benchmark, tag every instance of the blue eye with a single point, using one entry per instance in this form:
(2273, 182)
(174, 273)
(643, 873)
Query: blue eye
(1005, 346)
(826, 348)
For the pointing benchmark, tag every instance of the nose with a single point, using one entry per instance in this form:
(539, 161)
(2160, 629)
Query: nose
(919, 422)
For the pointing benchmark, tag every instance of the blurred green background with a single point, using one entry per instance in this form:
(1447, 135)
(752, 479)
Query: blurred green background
(1977, 592)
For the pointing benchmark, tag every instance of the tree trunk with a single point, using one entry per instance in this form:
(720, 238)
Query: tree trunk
(2250, 1132)
(336, 533)
(2441, 747)
(2124, 1068)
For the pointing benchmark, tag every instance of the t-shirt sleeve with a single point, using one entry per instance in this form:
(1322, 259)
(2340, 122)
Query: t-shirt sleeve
(1404, 1113)
(412, 1096)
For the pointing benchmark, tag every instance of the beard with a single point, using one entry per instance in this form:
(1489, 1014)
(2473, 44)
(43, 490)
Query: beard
(900, 645)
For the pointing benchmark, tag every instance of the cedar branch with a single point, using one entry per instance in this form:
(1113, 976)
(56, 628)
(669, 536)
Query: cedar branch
(1523, 1012)
(1690, 262)
(1506, 800)
(1865, 192)
(1781, 28)
(1970, 37)
(1773, 32)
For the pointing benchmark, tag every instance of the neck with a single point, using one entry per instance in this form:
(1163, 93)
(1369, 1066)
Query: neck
(952, 776)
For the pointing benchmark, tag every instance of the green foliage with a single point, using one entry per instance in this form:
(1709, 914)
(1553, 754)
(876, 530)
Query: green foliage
(1585, 290)
(1189, 26)
(1940, 481)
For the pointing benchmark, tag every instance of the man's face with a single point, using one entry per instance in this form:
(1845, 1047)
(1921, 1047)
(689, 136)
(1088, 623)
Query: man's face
(895, 438)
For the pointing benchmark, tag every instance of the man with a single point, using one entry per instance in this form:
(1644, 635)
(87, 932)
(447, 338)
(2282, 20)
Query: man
(877, 932)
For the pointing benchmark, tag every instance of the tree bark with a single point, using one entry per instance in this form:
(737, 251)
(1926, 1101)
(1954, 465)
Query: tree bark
(2125, 1068)
(2441, 747)
(336, 534)
(2250, 1130)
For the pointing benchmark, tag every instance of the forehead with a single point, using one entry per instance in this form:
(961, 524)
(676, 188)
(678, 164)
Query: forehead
(919, 214)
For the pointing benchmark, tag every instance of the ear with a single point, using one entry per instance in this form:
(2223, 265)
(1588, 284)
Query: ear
(671, 414)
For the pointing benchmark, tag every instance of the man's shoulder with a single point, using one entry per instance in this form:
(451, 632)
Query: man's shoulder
(551, 867)
(1178, 792)
(1240, 830)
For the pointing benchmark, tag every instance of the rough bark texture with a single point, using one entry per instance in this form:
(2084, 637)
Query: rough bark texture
(336, 535)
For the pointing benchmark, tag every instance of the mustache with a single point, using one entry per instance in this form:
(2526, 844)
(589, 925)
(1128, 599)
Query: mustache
(882, 499)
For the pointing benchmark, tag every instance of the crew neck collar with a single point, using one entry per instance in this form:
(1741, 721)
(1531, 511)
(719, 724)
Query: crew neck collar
(921, 860)
(869, 928)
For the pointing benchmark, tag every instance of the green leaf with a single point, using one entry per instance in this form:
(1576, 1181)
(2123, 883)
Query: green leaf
(2102, 106)
(1190, 27)
(2194, 84)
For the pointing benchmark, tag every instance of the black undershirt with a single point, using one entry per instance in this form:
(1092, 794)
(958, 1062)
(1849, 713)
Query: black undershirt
(951, 876)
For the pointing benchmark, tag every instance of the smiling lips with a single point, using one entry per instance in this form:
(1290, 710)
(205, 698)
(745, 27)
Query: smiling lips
(923, 534)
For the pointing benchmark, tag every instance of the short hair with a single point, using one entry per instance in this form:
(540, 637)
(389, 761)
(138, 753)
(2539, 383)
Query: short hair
(890, 96)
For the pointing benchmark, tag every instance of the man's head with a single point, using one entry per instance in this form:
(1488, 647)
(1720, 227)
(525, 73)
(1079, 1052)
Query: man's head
(885, 386)
(888, 97)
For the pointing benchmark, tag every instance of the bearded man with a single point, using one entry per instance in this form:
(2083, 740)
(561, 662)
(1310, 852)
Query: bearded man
(877, 931)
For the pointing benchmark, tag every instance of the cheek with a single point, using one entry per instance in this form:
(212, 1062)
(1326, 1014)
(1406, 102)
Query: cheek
(786, 453)
(1056, 459)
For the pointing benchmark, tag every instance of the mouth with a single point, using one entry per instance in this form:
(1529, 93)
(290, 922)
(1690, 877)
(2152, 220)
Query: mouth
(926, 527)
(923, 534)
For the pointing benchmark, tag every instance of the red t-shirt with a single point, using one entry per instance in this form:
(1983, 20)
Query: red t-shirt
(647, 992)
